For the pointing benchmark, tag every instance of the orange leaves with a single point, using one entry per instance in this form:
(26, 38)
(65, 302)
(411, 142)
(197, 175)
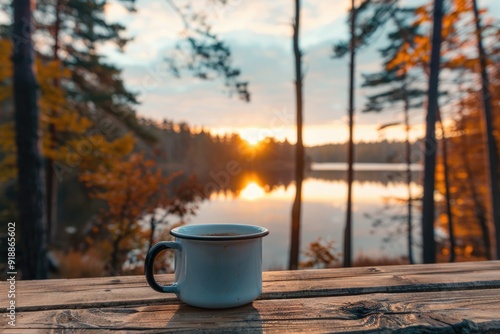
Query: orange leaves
(415, 52)
(130, 188)
(422, 15)
(463, 5)
(468, 181)
(402, 57)
(8, 167)
(412, 55)
(5, 69)
(461, 61)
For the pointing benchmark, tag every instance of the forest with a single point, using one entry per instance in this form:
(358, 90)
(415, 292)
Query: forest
(382, 152)
(93, 183)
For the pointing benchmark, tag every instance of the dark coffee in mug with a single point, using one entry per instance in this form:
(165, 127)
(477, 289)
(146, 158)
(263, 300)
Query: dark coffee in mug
(221, 234)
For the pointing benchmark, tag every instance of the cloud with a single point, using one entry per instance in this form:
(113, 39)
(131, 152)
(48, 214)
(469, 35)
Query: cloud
(270, 73)
(153, 27)
(259, 35)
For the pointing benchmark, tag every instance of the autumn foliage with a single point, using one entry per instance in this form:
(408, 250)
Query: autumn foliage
(82, 145)
(134, 191)
(408, 57)
(130, 187)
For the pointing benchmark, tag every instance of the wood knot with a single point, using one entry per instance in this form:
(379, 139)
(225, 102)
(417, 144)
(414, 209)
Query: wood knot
(363, 308)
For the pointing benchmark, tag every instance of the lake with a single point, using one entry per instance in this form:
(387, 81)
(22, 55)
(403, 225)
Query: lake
(379, 210)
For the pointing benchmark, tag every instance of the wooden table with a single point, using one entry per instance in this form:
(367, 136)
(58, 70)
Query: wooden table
(442, 298)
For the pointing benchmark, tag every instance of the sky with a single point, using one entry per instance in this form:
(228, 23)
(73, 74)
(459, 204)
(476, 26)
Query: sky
(259, 34)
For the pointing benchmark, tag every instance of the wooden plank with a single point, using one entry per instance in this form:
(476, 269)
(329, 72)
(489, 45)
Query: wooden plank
(415, 269)
(434, 312)
(115, 291)
(381, 283)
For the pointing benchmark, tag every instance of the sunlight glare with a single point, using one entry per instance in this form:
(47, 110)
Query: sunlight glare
(251, 192)
(251, 140)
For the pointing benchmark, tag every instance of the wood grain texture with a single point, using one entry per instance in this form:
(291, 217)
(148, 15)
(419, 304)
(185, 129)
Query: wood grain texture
(116, 291)
(436, 312)
(444, 298)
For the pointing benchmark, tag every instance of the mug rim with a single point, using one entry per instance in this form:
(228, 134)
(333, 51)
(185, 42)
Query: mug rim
(260, 232)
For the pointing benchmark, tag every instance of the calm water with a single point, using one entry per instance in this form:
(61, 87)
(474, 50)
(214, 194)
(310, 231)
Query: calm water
(379, 210)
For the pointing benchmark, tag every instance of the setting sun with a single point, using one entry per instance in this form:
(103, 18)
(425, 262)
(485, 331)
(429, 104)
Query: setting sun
(253, 141)
(251, 192)
(251, 137)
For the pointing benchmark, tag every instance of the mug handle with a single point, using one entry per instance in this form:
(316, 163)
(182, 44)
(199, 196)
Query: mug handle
(149, 266)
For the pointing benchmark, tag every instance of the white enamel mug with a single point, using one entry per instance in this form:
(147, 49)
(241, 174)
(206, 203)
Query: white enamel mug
(216, 265)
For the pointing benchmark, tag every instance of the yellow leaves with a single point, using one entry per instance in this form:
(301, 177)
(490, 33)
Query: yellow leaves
(52, 96)
(119, 147)
(8, 167)
(79, 144)
(94, 151)
(5, 70)
(70, 121)
(5, 63)
(7, 137)
(5, 92)
(51, 70)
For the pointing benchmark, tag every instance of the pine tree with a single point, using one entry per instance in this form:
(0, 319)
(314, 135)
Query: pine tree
(455, 56)
(203, 53)
(80, 146)
(73, 29)
(488, 119)
(468, 179)
(399, 81)
(32, 219)
(360, 33)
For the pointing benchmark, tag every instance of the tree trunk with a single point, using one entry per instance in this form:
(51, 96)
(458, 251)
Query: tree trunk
(350, 144)
(296, 215)
(299, 147)
(491, 149)
(429, 244)
(444, 149)
(115, 261)
(32, 223)
(152, 226)
(408, 170)
(50, 176)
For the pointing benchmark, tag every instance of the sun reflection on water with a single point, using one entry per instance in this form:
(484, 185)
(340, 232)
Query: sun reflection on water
(251, 192)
